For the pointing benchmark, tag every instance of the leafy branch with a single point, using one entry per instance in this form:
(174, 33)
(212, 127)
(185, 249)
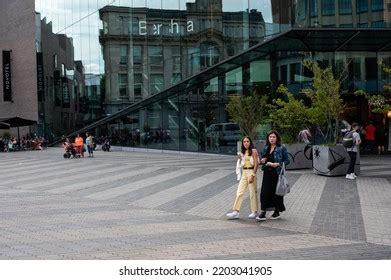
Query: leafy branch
(247, 112)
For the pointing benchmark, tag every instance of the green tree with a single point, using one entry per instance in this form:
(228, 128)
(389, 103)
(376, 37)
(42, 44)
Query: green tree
(247, 112)
(289, 116)
(326, 101)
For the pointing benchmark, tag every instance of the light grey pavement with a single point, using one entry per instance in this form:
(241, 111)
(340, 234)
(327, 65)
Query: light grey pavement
(129, 205)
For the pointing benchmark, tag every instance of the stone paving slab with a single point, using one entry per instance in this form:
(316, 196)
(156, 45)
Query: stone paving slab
(172, 206)
(375, 199)
(248, 245)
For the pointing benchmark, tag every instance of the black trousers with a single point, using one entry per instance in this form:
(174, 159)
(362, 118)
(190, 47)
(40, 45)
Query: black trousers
(353, 157)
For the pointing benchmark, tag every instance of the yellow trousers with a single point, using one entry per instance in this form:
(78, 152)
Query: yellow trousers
(242, 188)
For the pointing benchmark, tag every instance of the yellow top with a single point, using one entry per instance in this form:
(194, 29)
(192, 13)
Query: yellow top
(247, 158)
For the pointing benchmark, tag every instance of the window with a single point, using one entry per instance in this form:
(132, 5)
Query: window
(231, 50)
(356, 69)
(123, 85)
(370, 68)
(55, 61)
(362, 25)
(378, 24)
(155, 54)
(62, 73)
(377, 5)
(123, 59)
(294, 72)
(137, 55)
(313, 8)
(134, 26)
(156, 83)
(138, 87)
(283, 73)
(176, 58)
(362, 6)
(328, 7)
(346, 25)
(345, 7)
(193, 60)
(176, 78)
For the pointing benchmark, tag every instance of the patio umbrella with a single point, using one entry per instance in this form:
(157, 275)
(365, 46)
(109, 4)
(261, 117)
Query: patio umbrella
(4, 125)
(17, 122)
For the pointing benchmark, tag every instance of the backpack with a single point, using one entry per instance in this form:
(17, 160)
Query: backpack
(347, 140)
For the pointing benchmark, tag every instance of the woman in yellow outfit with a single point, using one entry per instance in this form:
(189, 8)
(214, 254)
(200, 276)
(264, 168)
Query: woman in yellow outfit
(248, 180)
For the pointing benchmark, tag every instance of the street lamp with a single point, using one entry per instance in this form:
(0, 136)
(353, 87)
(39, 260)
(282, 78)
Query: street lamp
(389, 114)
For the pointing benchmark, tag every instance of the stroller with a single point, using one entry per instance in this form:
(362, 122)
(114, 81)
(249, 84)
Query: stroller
(70, 151)
(106, 145)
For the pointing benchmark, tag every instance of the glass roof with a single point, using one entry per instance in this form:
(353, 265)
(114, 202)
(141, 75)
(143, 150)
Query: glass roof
(296, 39)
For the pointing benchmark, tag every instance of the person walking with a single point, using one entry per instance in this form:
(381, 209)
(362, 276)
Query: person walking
(304, 136)
(352, 151)
(274, 155)
(90, 144)
(79, 144)
(249, 162)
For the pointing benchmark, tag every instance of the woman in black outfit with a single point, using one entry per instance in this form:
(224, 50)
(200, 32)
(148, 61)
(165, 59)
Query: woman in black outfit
(273, 157)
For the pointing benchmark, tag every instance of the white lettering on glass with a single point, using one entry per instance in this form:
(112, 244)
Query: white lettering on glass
(156, 28)
(190, 26)
(142, 27)
(172, 27)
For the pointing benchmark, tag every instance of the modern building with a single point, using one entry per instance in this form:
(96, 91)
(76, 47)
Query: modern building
(148, 50)
(159, 73)
(18, 79)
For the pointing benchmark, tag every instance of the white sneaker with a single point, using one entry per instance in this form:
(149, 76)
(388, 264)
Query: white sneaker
(349, 176)
(233, 215)
(354, 175)
(253, 215)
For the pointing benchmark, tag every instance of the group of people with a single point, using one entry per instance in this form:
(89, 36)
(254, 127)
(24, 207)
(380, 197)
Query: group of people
(273, 157)
(375, 138)
(78, 146)
(29, 142)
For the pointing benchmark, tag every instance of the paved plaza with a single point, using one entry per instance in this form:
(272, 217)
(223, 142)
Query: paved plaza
(132, 205)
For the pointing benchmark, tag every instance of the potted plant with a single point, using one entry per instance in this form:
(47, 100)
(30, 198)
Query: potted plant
(289, 116)
(329, 159)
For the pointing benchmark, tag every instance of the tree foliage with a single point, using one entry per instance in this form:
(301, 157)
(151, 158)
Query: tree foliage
(247, 112)
(289, 116)
(327, 104)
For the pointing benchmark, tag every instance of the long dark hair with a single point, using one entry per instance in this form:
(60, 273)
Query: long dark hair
(251, 147)
(278, 142)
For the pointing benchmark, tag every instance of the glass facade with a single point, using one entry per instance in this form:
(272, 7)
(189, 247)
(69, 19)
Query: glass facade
(345, 7)
(135, 59)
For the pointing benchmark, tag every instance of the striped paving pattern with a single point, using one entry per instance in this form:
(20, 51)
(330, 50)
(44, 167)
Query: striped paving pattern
(172, 206)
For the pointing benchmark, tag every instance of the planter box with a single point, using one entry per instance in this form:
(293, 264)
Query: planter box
(299, 154)
(332, 160)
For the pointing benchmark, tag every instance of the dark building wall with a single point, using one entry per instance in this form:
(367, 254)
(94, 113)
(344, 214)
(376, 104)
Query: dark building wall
(58, 57)
(17, 33)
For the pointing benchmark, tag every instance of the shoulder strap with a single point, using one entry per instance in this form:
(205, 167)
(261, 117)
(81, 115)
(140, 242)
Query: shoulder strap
(282, 169)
